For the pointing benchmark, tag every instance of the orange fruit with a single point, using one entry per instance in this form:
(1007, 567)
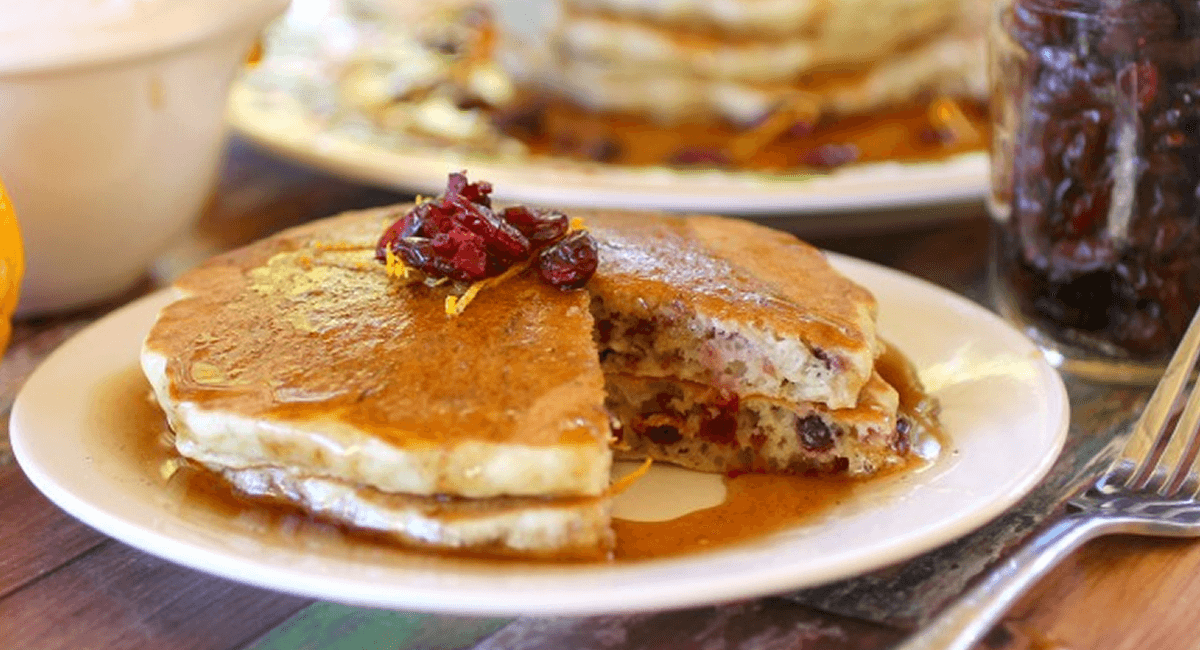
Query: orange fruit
(12, 266)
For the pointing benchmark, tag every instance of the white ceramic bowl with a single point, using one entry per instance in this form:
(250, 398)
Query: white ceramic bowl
(111, 131)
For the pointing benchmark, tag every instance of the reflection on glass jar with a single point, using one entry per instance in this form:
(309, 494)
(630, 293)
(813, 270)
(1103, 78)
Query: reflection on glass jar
(1096, 178)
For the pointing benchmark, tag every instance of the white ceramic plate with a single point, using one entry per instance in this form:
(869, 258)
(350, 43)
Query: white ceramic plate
(1004, 408)
(277, 122)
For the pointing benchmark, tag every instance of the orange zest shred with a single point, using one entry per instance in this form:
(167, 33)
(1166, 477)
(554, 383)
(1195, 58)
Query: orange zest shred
(799, 107)
(396, 266)
(456, 304)
(625, 482)
(947, 116)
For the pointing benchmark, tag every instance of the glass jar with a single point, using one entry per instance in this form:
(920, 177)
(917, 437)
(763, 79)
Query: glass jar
(1096, 178)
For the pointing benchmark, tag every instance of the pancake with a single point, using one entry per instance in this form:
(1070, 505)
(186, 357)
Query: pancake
(698, 427)
(741, 17)
(299, 370)
(300, 352)
(944, 67)
(848, 36)
(557, 528)
(727, 303)
(737, 62)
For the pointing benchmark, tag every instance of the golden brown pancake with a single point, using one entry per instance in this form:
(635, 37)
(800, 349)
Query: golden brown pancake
(343, 372)
(725, 302)
(298, 369)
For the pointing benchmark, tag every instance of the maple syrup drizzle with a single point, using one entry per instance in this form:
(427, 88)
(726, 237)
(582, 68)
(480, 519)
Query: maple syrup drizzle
(756, 505)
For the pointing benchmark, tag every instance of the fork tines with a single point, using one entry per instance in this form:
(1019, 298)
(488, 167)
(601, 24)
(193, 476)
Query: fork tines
(1161, 454)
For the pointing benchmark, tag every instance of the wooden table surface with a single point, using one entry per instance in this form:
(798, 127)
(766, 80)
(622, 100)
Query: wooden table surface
(63, 585)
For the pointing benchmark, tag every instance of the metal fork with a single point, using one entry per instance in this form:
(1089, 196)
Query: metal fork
(1150, 489)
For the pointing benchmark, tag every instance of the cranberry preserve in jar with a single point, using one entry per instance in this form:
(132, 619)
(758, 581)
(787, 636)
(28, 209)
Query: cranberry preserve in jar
(1096, 177)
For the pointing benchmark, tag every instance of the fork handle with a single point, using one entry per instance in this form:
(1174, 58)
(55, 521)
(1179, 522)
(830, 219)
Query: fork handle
(970, 617)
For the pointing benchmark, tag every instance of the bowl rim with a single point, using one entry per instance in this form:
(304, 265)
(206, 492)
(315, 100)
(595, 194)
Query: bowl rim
(174, 26)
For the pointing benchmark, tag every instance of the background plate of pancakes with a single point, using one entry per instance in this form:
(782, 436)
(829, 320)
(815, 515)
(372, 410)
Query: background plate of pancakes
(284, 126)
(75, 428)
(352, 87)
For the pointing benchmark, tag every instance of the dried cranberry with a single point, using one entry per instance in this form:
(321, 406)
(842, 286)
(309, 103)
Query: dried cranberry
(831, 362)
(539, 226)
(663, 435)
(814, 433)
(721, 427)
(465, 250)
(1129, 25)
(418, 253)
(501, 239)
(476, 193)
(524, 121)
(407, 226)
(605, 150)
(828, 156)
(700, 156)
(571, 262)
(1139, 80)
(801, 129)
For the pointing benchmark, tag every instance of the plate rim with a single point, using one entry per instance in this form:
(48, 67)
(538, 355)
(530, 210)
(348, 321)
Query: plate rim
(693, 590)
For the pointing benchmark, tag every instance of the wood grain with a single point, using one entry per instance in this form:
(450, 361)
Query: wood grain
(117, 598)
(1117, 593)
(35, 536)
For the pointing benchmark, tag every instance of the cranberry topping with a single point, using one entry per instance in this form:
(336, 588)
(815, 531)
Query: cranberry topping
(457, 185)
(814, 433)
(539, 226)
(459, 236)
(571, 262)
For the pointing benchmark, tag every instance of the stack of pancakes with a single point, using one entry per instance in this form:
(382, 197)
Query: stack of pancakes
(299, 370)
(736, 61)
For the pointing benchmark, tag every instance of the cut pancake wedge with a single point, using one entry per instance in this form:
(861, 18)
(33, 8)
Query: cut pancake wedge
(300, 352)
(730, 304)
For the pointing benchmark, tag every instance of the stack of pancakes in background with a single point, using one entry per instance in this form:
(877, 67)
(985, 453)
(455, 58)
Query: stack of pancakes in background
(738, 67)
